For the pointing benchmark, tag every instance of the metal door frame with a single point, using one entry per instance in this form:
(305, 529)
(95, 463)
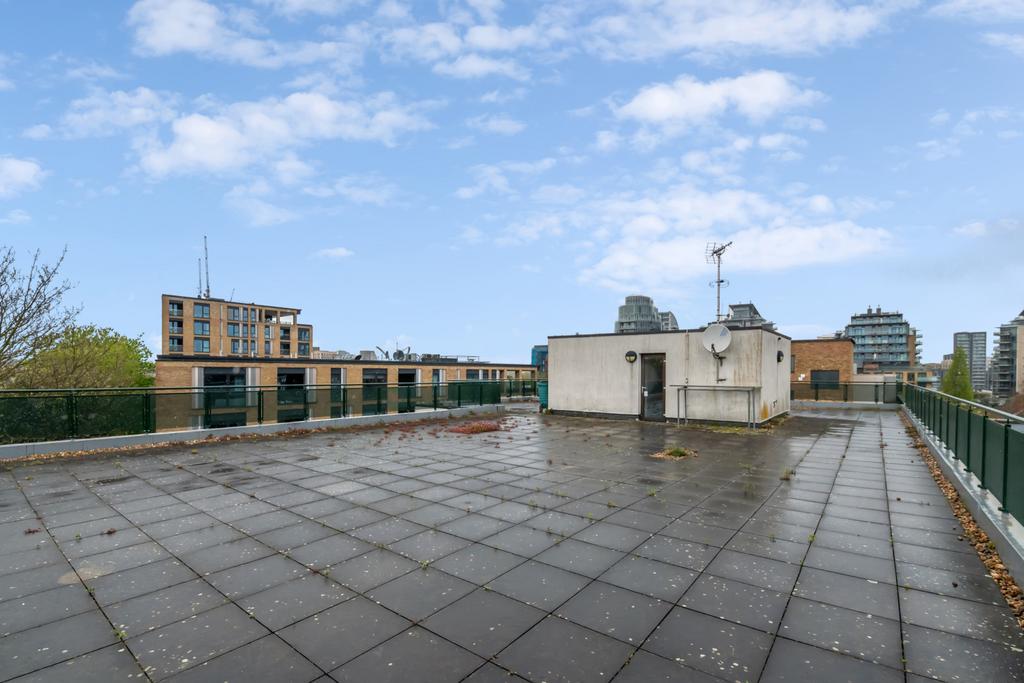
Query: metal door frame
(643, 401)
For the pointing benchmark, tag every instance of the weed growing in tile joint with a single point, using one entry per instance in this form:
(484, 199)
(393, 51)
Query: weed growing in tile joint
(675, 453)
(787, 474)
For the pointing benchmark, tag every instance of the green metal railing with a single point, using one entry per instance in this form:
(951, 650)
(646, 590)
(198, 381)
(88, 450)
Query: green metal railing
(989, 442)
(849, 392)
(50, 415)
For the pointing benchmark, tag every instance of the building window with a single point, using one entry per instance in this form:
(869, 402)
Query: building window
(304, 334)
(245, 315)
(233, 330)
(235, 346)
(201, 345)
(266, 331)
(176, 327)
(201, 310)
(286, 349)
(174, 344)
(200, 328)
(303, 349)
(266, 348)
(233, 313)
(472, 374)
(286, 334)
(175, 309)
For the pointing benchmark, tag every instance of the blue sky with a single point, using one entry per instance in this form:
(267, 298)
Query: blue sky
(470, 176)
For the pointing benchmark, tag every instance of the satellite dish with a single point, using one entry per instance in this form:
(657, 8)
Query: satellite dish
(716, 338)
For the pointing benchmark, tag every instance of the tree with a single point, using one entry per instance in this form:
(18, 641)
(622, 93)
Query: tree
(957, 380)
(32, 312)
(88, 357)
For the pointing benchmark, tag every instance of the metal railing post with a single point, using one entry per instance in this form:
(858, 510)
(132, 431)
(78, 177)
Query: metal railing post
(71, 411)
(259, 406)
(984, 449)
(1006, 466)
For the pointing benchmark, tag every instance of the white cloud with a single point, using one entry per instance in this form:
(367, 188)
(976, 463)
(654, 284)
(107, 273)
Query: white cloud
(249, 200)
(472, 234)
(19, 175)
(985, 228)
(104, 113)
(291, 170)
(295, 8)
(782, 146)
(367, 189)
(424, 42)
(244, 133)
(939, 118)
(494, 178)
(558, 194)
(722, 163)
(499, 124)
(5, 83)
(1014, 42)
(607, 141)
(938, 149)
(808, 123)
(657, 28)
(475, 66)
(986, 11)
(334, 253)
(675, 107)
(40, 131)
(497, 38)
(15, 217)
(501, 97)
(166, 27)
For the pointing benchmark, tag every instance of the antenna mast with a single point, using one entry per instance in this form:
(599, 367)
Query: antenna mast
(713, 254)
(199, 291)
(206, 255)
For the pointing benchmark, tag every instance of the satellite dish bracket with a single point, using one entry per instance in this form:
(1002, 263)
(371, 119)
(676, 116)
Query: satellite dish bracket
(720, 358)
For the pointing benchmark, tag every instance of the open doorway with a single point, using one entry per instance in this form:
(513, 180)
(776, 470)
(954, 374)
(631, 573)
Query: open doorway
(652, 386)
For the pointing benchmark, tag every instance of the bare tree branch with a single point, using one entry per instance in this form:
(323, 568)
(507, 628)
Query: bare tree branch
(32, 311)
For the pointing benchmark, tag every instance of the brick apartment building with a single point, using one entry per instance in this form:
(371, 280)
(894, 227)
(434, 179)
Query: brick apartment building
(825, 361)
(209, 342)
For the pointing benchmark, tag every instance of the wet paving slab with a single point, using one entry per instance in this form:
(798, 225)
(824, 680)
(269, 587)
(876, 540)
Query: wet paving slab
(553, 550)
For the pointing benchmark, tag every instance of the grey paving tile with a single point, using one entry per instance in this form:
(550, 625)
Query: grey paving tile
(614, 611)
(484, 622)
(27, 651)
(558, 650)
(951, 657)
(293, 600)
(110, 663)
(742, 603)
(420, 593)
(416, 654)
(857, 634)
(792, 661)
(710, 644)
(184, 644)
(343, 632)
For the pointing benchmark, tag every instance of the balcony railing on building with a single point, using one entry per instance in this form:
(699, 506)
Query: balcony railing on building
(51, 415)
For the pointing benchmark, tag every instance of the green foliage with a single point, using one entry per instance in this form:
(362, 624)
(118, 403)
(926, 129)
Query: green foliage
(957, 380)
(88, 356)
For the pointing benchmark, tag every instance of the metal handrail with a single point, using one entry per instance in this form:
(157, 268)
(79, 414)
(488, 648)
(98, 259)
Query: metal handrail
(253, 387)
(718, 387)
(988, 409)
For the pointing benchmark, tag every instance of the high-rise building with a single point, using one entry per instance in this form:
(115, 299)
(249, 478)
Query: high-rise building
(1008, 359)
(639, 314)
(883, 341)
(973, 344)
(745, 315)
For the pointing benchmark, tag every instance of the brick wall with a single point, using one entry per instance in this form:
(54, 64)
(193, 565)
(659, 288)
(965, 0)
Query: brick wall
(822, 354)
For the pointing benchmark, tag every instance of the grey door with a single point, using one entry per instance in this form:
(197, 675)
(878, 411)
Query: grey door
(652, 386)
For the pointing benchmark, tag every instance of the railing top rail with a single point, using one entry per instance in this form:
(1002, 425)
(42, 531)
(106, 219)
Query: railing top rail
(981, 406)
(252, 387)
(738, 387)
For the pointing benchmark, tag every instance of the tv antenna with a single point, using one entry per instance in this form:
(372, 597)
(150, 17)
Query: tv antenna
(713, 255)
(206, 255)
(199, 291)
